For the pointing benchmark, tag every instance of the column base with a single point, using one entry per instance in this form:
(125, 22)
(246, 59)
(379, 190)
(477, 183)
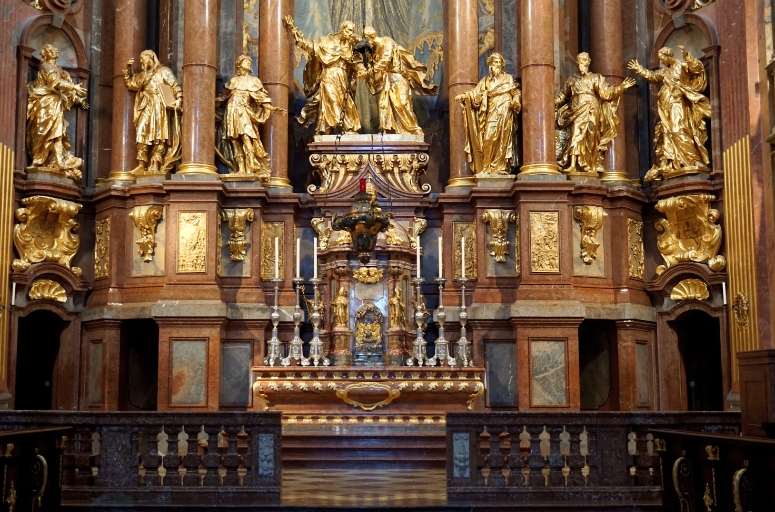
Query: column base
(116, 177)
(280, 182)
(494, 180)
(195, 168)
(614, 176)
(238, 177)
(455, 184)
(537, 169)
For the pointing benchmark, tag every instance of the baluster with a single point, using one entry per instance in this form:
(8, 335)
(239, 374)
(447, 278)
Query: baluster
(212, 460)
(83, 457)
(555, 461)
(495, 460)
(152, 461)
(576, 461)
(536, 459)
(68, 460)
(482, 470)
(171, 460)
(231, 459)
(192, 460)
(514, 458)
(565, 453)
(242, 449)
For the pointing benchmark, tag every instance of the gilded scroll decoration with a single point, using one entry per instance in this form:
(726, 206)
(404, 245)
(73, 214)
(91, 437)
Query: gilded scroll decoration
(418, 228)
(270, 231)
(545, 242)
(499, 227)
(465, 230)
(741, 308)
(392, 394)
(591, 219)
(323, 231)
(396, 235)
(146, 218)
(101, 248)
(690, 289)
(46, 232)
(635, 251)
(400, 171)
(690, 232)
(368, 275)
(47, 289)
(237, 219)
(192, 242)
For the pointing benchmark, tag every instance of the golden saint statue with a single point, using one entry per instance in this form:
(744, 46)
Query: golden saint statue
(237, 140)
(49, 96)
(490, 118)
(397, 309)
(341, 308)
(329, 80)
(587, 119)
(680, 134)
(393, 74)
(158, 104)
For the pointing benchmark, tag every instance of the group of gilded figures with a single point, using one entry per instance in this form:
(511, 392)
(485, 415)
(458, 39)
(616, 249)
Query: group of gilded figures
(586, 109)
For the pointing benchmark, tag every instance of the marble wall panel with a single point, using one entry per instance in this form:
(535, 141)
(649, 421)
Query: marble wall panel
(236, 362)
(95, 373)
(364, 291)
(509, 267)
(188, 379)
(597, 267)
(509, 13)
(548, 373)
(429, 266)
(642, 372)
(501, 374)
(155, 267)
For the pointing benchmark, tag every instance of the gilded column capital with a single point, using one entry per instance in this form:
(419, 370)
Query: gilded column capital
(499, 227)
(237, 220)
(146, 218)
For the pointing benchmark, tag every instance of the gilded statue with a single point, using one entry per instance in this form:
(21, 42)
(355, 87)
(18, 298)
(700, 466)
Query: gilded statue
(397, 309)
(49, 96)
(490, 120)
(330, 80)
(393, 74)
(248, 105)
(587, 120)
(341, 309)
(680, 134)
(158, 104)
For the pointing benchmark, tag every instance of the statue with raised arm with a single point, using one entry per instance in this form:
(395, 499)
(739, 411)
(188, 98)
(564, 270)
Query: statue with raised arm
(158, 104)
(330, 80)
(680, 134)
(49, 96)
(587, 107)
(237, 139)
(490, 120)
(393, 74)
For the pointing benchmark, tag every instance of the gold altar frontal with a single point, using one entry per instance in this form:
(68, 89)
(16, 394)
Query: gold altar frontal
(341, 390)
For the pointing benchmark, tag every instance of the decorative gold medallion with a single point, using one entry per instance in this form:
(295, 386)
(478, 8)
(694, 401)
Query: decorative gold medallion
(368, 275)
(270, 231)
(590, 218)
(465, 230)
(545, 242)
(237, 220)
(146, 218)
(101, 248)
(192, 242)
(499, 227)
(690, 289)
(47, 289)
(635, 251)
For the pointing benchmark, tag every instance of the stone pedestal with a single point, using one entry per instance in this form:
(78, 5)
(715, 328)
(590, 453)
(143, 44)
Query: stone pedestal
(396, 353)
(757, 392)
(341, 355)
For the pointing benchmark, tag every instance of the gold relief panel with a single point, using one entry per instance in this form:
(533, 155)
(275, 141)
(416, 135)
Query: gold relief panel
(465, 230)
(635, 251)
(545, 242)
(192, 242)
(270, 230)
(101, 248)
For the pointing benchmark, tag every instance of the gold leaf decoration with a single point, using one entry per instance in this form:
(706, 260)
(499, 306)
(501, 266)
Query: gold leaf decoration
(47, 289)
(146, 218)
(270, 231)
(101, 248)
(459, 231)
(690, 289)
(635, 250)
(591, 219)
(499, 227)
(192, 242)
(545, 242)
(368, 275)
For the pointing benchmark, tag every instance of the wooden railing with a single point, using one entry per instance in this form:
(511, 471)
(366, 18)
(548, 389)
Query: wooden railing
(576, 458)
(184, 459)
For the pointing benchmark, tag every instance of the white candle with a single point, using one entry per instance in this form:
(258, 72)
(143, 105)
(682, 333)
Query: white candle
(463, 256)
(315, 258)
(723, 293)
(441, 260)
(298, 258)
(418, 257)
(13, 295)
(276, 259)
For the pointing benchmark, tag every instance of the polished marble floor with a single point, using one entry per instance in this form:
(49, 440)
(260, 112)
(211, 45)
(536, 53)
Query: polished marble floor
(364, 487)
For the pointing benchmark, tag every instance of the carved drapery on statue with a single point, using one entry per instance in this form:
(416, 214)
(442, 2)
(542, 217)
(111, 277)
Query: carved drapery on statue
(690, 232)
(46, 232)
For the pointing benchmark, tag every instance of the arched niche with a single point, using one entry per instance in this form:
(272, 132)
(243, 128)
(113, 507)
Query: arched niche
(37, 32)
(699, 36)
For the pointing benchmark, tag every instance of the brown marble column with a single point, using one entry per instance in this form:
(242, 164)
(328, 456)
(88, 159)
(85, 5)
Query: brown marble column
(538, 88)
(461, 65)
(129, 42)
(276, 72)
(200, 41)
(606, 54)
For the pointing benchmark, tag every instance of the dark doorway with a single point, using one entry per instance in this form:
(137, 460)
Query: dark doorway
(699, 343)
(598, 374)
(36, 356)
(139, 378)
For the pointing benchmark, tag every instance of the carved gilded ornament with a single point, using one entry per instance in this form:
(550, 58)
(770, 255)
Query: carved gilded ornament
(237, 220)
(368, 275)
(396, 235)
(340, 308)
(418, 228)
(270, 231)
(635, 251)
(690, 232)
(47, 289)
(590, 219)
(741, 308)
(369, 322)
(690, 289)
(545, 242)
(392, 394)
(323, 231)
(397, 309)
(517, 249)
(400, 171)
(101, 248)
(459, 231)
(46, 232)
(146, 218)
(192, 242)
(499, 227)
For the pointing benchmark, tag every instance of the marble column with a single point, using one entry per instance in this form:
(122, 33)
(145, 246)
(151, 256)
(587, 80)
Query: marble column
(129, 42)
(275, 70)
(606, 54)
(538, 88)
(200, 42)
(461, 65)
